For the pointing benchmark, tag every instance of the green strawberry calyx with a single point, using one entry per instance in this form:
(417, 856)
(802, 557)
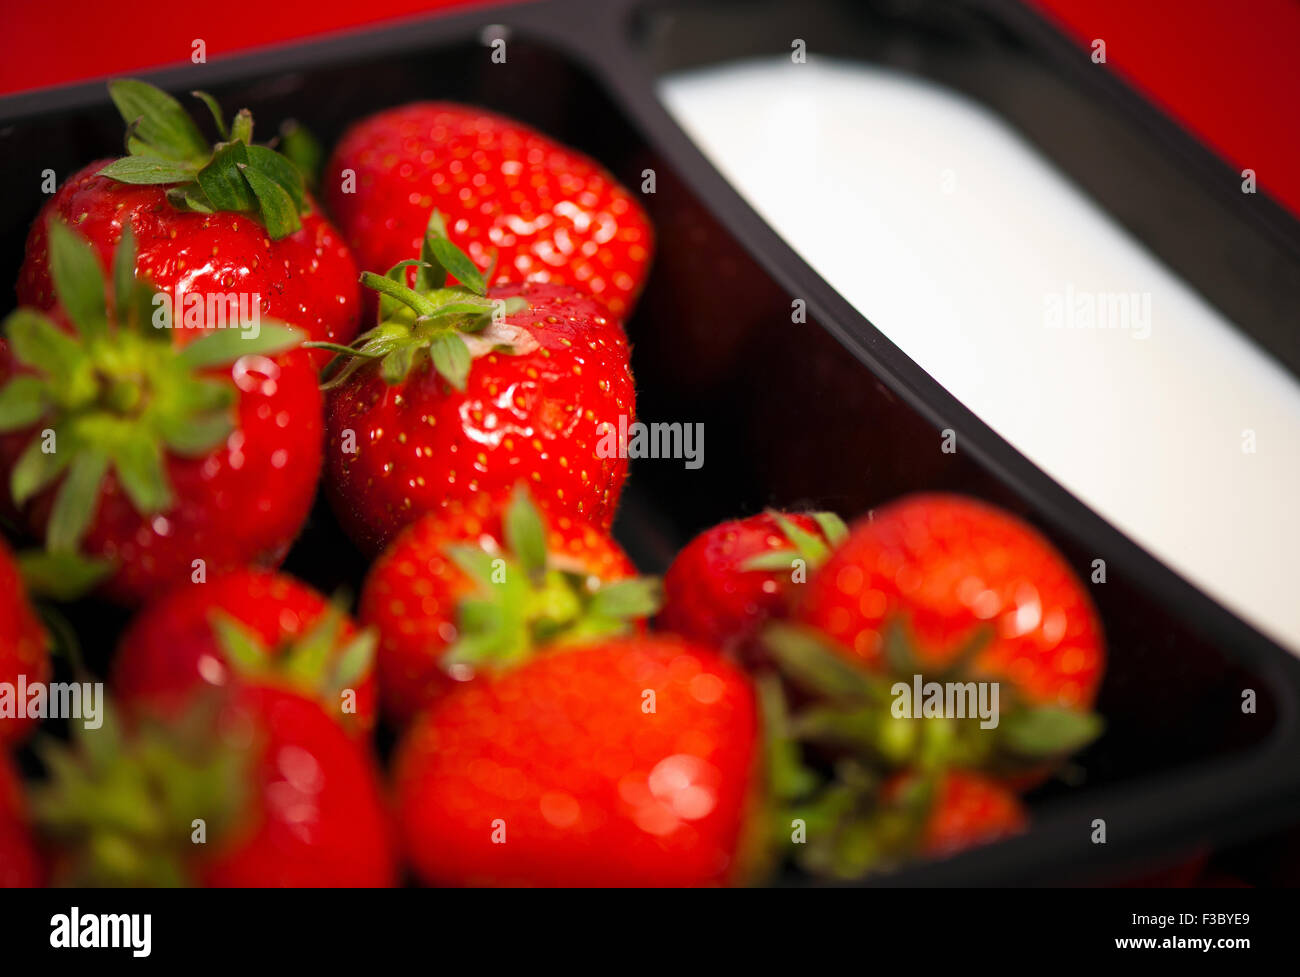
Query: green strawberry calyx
(525, 598)
(853, 709)
(828, 761)
(122, 805)
(812, 548)
(164, 146)
(836, 821)
(322, 663)
(451, 325)
(113, 395)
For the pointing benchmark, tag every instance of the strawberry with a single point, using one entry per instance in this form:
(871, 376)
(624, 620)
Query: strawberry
(464, 390)
(255, 786)
(468, 588)
(515, 200)
(729, 579)
(625, 762)
(250, 625)
(232, 220)
(20, 862)
(946, 568)
(166, 458)
(24, 646)
(944, 633)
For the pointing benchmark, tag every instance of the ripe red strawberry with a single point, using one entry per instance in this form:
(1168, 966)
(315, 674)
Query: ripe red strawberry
(251, 626)
(162, 457)
(960, 810)
(627, 762)
(231, 220)
(444, 608)
(943, 634)
(286, 798)
(944, 568)
(514, 199)
(20, 863)
(450, 396)
(729, 579)
(24, 646)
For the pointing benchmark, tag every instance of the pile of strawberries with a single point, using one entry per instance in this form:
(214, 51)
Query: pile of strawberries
(555, 719)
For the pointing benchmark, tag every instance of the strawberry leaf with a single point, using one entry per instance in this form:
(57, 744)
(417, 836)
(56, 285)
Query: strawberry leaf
(1044, 731)
(75, 502)
(139, 464)
(78, 280)
(194, 436)
(440, 253)
(451, 359)
(60, 576)
(787, 777)
(356, 658)
(473, 562)
(125, 292)
(241, 128)
(22, 402)
(241, 645)
(771, 560)
(804, 657)
(222, 181)
(630, 599)
(147, 171)
(38, 343)
(305, 663)
(395, 366)
(161, 123)
(832, 527)
(274, 204)
(271, 165)
(35, 469)
(190, 197)
(215, 109)
(525, 533)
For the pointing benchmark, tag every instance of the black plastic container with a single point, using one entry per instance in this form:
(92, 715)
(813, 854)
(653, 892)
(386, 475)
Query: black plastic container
(1180, 765)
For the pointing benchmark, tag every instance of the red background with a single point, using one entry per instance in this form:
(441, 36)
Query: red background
(1228, 70)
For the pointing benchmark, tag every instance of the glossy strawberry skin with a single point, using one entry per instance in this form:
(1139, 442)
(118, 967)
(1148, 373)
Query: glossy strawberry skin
(536, 418)
(242, 503)
(412, 592)
(307, 279)
(708, 594)
(591, 789)
(24, 646)
(315, 815)
(170, 651)
(21, 866)
(548, 213)
(946, 564)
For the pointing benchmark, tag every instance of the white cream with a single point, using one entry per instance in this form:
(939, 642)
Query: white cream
(959, 242)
